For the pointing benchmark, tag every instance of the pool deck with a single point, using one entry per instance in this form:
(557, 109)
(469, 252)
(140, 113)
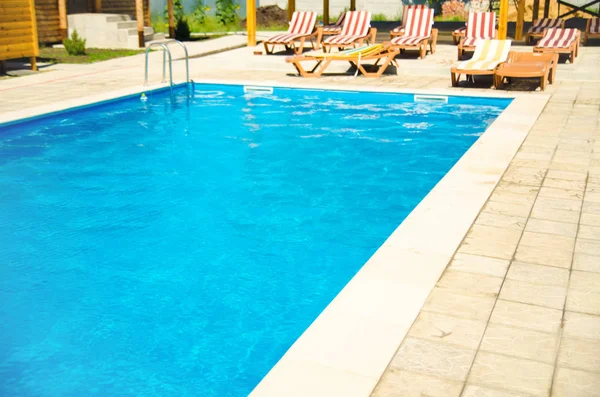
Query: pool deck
(516, 311)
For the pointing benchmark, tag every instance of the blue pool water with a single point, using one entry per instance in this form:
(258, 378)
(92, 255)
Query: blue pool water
(178, 247)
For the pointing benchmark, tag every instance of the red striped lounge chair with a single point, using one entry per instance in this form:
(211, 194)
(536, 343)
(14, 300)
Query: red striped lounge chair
(458, 34)
(592, 30)
(355, 30)
(419, 32)
(302, 27)
(335, 28)
(536, 31)
(480, 25)
(399, 30)
(560, 41)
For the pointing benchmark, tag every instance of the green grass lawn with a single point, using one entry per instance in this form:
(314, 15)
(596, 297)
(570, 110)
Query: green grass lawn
(60, 55)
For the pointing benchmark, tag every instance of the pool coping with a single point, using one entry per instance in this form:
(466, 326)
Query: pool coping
(350, 344)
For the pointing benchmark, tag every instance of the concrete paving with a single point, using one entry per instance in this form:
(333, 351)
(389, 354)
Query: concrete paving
(517, 311)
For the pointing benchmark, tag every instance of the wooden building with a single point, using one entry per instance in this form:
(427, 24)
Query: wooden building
(48, 14)
(18, 31)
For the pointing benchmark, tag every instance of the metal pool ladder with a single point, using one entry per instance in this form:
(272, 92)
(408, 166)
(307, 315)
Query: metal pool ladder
(166, 51)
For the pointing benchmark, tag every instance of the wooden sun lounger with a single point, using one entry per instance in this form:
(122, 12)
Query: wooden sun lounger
(527, 65)
(560, 41)
(419, 32)
(592, 30)
(458, 34)
(355, 30)
(302, 28)
(488, 55)
(331, 29)
(539, 27)
(400, 30)
(355, 56)
(480, 25)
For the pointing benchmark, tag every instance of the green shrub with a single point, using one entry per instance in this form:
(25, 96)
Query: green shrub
(182, 29)
(379, 17)
(227, 12)
(74, 45)
(178, 12)
(200, 12)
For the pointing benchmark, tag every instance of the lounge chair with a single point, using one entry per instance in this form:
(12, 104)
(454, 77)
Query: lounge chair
(335, 28)
(480, 25)
(458, 34)
(400, 30)
(302, 27)
(592, 30)
(527, 65)
(419, 32)
(560, 41)
(356, 56)
(355, 30)
(488, 55)
(536, 31)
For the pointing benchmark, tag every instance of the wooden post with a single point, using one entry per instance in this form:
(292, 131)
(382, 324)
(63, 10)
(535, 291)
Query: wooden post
(97, 6)
(503, 22)
(171, 16)
(291, 8)
(536, 10)
(251, 22)
(352, 5)
(148, 16)
(62, 18)
(139, 16)
(325, 12)
(34, 32)
(546, 8)
(520, 20)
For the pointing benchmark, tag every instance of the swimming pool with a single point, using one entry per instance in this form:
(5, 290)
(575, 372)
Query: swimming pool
(180, 246)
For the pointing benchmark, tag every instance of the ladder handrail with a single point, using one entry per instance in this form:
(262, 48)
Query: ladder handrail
(165, 47)
(187, 59)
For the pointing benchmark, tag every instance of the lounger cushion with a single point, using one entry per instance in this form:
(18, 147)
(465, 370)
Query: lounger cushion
(408, 40)
(481, 25)
(470, 42)
(558, 38)
(594, 26)
(488, 54)
(356, 27)
(301, 25)
(332, 29)
(539, 25)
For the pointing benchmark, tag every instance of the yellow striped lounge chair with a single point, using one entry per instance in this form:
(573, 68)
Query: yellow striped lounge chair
(592, 30)
(560, 41)
(302, 27)
(488, 55)
(536, 31)
(356, 56)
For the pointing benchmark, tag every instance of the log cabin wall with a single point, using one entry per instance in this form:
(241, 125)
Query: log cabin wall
(46, 12)
(18, 32)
